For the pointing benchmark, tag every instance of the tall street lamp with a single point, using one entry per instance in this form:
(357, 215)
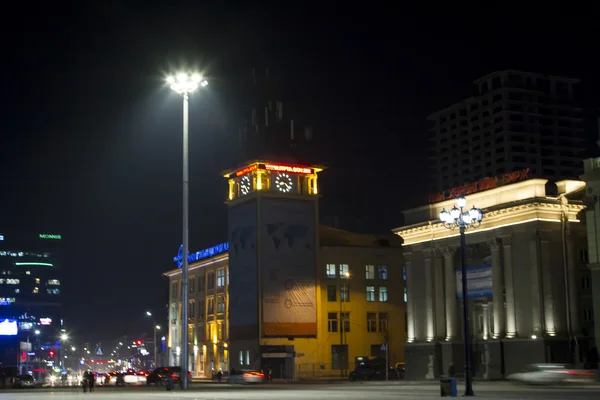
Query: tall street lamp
(185, 84)
(459, 218)
(156, 327)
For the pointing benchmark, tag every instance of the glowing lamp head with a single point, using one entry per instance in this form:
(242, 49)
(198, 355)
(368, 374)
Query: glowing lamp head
(461, 202)
(466, 217)
(186, 83)
(444, 216)
(64, 336)
(476, 214)
(454, 213)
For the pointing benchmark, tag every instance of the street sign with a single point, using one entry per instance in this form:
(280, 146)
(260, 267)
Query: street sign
(99, 351)
(383, 347)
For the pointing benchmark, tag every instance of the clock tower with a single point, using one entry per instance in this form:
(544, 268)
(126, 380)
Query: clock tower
(273, 243)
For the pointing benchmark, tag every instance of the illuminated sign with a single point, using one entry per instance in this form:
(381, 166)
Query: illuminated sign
(292, 169)
(199, 255)
(244, 171)
(45, 321)
(50, 236)
(6, 301)
(484, 184)
(9, 328)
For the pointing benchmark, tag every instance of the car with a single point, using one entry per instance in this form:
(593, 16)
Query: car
(246, 376)
(373, 369)
(552, 374)
(162, 375)
(24, 381)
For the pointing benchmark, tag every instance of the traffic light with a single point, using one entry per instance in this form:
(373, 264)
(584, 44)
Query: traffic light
(51, 353)
(138, 342)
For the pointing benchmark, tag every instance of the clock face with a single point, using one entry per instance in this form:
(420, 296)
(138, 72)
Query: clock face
(245, 185)
(283, 183)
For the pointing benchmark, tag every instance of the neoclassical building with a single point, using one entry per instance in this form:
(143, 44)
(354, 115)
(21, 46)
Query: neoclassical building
(525, 271)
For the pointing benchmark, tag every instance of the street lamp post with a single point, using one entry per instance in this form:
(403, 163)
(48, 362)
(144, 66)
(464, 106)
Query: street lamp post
(63, 338)
(461, 219)
(156, 327)
(185, 84)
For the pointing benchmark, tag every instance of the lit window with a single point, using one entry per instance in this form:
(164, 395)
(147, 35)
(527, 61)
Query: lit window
(383, 294)
(17, 291)
(221, 304)
(370, 272)
(36, 290)
(27, 272)
(370, 293)
(331, 271)
(371, 322)
(12, 281)
(404, 272)
(220, 277)
(344, 271)
(54, 282)
(51, 291)
(382, 272)
(405, 295)
(37, 281)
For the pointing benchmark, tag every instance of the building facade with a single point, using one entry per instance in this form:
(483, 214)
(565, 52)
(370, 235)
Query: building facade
(592, 215)
(526, 267)
(517, 120)
(300, 299)
(30, 295)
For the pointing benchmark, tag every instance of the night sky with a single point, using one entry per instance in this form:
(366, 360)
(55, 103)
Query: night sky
(91, 137)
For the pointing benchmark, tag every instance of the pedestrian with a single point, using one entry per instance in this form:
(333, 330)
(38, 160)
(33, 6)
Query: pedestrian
(219, 376)
(84, 382)
(92, 380)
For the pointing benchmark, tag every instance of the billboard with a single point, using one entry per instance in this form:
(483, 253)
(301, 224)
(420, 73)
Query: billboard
(8, 327)
(479, 282)
(243, 272)
(288, 268)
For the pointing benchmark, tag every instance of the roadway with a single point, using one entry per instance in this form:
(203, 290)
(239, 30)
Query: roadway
(292, 391)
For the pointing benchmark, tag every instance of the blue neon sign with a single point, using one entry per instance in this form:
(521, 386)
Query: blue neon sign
(199, 255)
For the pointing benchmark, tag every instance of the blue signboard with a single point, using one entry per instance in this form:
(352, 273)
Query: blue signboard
(199, 255)
(479, 282)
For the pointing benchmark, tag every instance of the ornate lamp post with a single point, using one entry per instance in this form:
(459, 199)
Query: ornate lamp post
(459, 218)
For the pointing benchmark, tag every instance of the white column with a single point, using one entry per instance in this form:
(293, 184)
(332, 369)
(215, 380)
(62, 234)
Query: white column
(509, 289)
(549, 322)
(486, 318)
(410, 302)
(439, 309)
(497, 290)
(536, 306)
(574, 286)
(429, 318)
(450, 292)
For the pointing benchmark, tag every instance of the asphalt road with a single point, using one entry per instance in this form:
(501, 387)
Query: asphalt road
(346, 391)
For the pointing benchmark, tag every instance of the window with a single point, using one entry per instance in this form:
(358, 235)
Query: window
(332, 322)
(345, 321)
(588, 314)
(221, 304)
(370, 293)
(331, 271)
(191, 309)
(174, 290)
(585, 282)
(331, 293)
(344, 293)
(382, 272)
(211, 305)
(50, 291)
(371, 322)
(383, 322)
(405, 295)
(37, 281)
(54, 282)
(36, 290)
(370, 272)
(202, 283)
(344, 271)
(200, 310)
(220, 277)
(12, 281)
(404, 272)
(383, 294)
(211, 280)
(191, 285)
